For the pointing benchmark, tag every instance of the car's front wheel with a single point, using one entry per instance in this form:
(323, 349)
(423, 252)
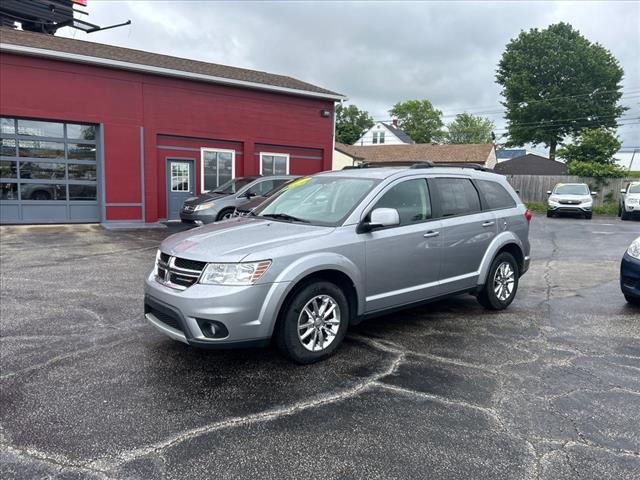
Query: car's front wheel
(501, 285)
(632, 300)
(314, 323)
(624, 215)
(225, 214)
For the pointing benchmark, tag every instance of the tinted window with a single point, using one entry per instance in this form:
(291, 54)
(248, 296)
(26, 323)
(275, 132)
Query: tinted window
(262, 187)
(495, 195)
(458, 196)
(410, 199)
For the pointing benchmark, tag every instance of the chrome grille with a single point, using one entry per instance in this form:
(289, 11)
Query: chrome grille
(178, 273)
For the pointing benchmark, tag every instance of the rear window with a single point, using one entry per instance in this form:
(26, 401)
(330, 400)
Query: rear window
(457, 196)
(495, 195)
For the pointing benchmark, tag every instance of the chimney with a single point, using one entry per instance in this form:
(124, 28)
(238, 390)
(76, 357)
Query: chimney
(394, 120)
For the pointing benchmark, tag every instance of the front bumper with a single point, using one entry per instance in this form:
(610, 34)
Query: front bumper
(198, 218)
(630, 276)
(569, 208)
(248, 314)
(633, 208)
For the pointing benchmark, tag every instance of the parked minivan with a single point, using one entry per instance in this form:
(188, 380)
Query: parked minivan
(336, 248)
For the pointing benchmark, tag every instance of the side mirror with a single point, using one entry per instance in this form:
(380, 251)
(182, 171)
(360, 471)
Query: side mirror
(623, 191)
(250, 194)
(593, 194)
(381, 217)
(548, 192)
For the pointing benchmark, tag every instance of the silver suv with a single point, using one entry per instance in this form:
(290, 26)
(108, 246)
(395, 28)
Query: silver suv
(335, 248)
(571, 198)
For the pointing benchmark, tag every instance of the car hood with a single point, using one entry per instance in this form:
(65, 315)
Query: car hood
(566, 196)
(233, 240)
(204, 198)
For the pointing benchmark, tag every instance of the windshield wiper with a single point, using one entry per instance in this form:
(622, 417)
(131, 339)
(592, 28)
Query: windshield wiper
(284, 216)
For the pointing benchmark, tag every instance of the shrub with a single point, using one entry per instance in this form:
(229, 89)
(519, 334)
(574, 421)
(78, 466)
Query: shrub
(596, 170)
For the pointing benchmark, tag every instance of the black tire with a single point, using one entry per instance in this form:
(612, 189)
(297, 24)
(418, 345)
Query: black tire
(225, 214)
(549, 214)
(619, 210)
(286, 336)
(487, 297)
(40, 195)
(624, 215)
(588, 216)
(632, 300)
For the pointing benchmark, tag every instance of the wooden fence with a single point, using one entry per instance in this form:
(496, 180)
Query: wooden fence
(533, 188)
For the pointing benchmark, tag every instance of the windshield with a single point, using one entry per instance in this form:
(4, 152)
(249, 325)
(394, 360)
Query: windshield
(317, 200)
(571, 190)
(232, 186)
(279, 187)
(634, 188)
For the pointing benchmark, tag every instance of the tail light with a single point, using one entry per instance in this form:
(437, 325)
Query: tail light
(528, 215)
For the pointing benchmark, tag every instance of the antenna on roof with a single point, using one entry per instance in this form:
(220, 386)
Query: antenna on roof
(47, 16)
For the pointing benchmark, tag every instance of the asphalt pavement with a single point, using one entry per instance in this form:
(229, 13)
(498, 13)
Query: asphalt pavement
(548, 389)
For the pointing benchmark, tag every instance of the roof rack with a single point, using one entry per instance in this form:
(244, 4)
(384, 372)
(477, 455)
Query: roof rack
(415, 165)
(473, 166)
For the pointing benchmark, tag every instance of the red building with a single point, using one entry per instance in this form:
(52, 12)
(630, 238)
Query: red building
(96, 133)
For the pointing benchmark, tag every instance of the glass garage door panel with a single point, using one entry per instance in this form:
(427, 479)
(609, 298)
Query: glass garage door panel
(48, 172)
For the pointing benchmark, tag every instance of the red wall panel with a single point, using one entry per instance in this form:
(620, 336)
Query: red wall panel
(172, 112)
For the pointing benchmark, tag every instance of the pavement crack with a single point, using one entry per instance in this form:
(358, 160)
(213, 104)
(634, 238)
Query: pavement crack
(398, 356)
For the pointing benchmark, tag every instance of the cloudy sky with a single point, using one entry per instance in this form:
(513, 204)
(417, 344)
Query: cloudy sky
(376, 53)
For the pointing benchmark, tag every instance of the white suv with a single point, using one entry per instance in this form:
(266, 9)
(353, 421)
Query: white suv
(629, 201)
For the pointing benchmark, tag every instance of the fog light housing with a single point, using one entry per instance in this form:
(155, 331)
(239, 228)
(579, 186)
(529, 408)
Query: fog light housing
(212, 328)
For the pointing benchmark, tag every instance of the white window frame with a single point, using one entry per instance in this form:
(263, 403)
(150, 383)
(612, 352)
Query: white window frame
(274, 154)
(204, 150)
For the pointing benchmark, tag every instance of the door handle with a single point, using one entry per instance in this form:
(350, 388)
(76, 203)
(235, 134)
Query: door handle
(488, 224)
(431, 234)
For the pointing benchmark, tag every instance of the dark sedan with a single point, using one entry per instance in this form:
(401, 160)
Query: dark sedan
(630, 273)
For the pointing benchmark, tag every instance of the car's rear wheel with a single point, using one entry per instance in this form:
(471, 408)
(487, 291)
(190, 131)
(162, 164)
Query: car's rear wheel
(313, 323)
(225, 214)
(501, 285)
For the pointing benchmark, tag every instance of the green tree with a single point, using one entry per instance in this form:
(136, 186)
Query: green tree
(419, 120)
(468, 128)
(591, 154)
(351, 123)
(555, 82)
(597, 145)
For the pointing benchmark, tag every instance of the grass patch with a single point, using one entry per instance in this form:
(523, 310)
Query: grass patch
(537, 207)
(606, 209)
(609, 208)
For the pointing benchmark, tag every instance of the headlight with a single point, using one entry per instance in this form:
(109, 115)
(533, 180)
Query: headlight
(203, 206)
(634, 249)
(553, 199)
(155, 270)
(234, 273)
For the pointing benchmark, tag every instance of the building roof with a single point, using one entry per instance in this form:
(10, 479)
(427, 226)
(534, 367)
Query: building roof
(43, 45)
(505, 153)
(531, 164)
(471, 153)
(398, 132)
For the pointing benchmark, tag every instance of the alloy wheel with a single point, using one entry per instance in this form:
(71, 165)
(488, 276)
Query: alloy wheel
(318, 323)
(504, 281)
